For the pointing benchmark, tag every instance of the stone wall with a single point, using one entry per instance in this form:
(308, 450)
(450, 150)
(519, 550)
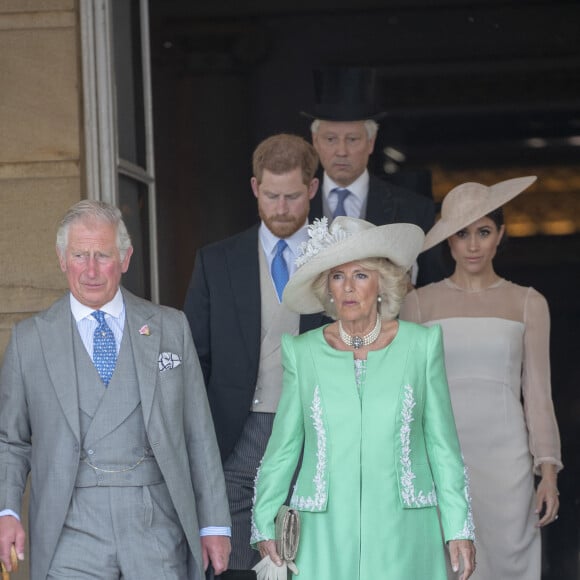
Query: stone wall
(40, 151)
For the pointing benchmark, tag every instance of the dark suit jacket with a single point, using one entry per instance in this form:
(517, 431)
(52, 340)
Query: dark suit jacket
(223, 306)
(388, 203)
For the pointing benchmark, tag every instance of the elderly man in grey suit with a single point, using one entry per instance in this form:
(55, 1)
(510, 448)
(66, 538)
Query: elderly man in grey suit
(102, 401)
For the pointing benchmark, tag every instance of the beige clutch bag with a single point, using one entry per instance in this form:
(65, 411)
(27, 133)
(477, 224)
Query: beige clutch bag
(287, 533)
(287, 539)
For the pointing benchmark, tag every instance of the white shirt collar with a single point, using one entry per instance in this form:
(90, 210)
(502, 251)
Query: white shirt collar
(113, 308)
(359, 187)
(269, 241)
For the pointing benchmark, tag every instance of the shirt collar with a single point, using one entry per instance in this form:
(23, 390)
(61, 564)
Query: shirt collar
(359, 187)
(113, 308)
(269, 240)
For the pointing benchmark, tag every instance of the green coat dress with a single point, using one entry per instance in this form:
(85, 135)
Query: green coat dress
(377, 464)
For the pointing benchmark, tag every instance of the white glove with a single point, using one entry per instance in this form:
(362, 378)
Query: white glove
(266, 569)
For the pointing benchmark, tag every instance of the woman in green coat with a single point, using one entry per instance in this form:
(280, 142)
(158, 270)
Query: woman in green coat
(366, 398)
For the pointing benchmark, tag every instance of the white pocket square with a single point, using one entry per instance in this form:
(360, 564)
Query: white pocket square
(168, 360)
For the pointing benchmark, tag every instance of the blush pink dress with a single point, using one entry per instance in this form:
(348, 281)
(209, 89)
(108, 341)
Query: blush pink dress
(496, 345)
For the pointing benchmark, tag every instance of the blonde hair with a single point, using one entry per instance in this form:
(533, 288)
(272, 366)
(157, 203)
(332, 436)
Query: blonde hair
(393, 284)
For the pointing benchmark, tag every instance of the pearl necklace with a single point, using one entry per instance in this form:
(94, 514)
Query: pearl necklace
(358, 341)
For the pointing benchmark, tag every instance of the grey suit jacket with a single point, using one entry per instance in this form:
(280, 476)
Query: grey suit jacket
(39, 424)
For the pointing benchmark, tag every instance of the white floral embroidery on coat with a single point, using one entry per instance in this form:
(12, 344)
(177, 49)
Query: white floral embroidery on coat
(319, 500)
(255, 534)
(410, 497)
(468, 530)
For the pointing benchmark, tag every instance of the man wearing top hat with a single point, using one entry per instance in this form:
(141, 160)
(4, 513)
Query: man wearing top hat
(344, 129)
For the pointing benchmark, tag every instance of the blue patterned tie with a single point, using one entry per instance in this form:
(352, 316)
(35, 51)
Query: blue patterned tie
(104, 348)
(280, 268)
(341, 194)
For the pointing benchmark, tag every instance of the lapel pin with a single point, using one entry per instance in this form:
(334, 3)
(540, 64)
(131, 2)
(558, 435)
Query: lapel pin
(144, 330)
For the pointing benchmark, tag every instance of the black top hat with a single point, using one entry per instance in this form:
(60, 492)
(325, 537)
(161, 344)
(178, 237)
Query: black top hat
(345, 94)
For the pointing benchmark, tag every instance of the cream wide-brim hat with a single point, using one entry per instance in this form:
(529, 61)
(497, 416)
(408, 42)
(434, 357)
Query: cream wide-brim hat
(471, 201)
(347, 240)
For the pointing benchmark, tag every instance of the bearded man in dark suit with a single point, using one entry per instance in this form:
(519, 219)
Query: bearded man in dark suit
(234, 306)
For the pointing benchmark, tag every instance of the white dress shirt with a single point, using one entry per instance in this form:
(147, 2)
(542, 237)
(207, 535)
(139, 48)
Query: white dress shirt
(355, 204)
(268, 241)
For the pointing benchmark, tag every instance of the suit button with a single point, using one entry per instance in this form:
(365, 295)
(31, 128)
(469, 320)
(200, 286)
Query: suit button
(91, 452)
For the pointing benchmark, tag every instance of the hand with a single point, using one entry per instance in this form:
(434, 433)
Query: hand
(547, 495)
(216, 549)
(268, 548)
(11, 533)
(466, 550)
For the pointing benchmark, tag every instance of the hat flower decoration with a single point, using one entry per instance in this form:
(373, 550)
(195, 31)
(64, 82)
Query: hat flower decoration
(321, 236)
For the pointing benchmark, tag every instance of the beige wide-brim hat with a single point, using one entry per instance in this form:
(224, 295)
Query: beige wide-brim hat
(347, 240)
(469, 202)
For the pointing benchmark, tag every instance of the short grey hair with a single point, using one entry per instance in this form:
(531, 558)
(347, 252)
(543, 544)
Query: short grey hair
(393, 285)
(89, 210)
(371, 127)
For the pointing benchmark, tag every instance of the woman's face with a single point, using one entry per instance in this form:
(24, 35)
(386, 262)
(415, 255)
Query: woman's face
(473, 248)
(355, 290)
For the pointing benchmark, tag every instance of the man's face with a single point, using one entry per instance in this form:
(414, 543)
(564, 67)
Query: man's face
(283, 201)
(92, 263)
(344, 149)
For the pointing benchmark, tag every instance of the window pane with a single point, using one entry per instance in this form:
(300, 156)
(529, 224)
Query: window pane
(129, 81)
(133, 201)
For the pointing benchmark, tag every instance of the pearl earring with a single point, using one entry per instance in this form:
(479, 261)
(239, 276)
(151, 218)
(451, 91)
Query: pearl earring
(331, 300)
(379, 299)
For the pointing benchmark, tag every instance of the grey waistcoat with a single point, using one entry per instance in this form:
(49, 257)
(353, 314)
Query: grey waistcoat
(115, 448)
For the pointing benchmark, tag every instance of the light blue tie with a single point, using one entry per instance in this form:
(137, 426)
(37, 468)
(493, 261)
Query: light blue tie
(104, 348)
(280, 268)
(341, 194)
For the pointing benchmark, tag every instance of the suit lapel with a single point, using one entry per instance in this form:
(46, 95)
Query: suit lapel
(316, 204)
(395, 358)
(381, 204)
(244, 274)
(145, 347)
(55, 330)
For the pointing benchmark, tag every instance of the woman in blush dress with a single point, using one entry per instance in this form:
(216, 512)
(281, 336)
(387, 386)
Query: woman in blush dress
(496, 342)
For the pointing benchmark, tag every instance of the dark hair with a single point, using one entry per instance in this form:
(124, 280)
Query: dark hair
(496, 216)
(282, 153)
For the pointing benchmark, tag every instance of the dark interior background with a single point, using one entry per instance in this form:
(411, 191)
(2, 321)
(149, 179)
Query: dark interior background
(475, 90)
